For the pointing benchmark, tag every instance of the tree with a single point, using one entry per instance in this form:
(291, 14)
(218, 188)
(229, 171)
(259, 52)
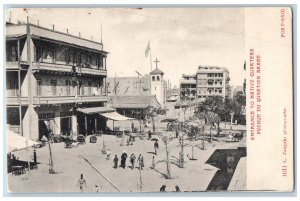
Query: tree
(210, 118)
(152, 112)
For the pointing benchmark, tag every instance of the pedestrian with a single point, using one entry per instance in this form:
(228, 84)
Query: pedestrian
(132, 126)
(156, 146)
(127, 142)
(116, 159)
(81, 181)
(132, 160)
(149, 134)
(177, 188)
(123, 159)
(163, 188)
(153, 162)
(177, 133)
(141, 161)
(108, 153)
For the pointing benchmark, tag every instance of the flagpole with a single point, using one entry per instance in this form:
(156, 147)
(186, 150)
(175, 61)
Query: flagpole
(150, 59)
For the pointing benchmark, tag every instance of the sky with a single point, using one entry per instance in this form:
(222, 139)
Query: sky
(180, 38)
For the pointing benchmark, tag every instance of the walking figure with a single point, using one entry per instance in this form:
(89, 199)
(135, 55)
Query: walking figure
(132, 160)
(116, 159)
(123, 159)
(108, 153)
(140, 161)
(163, 188)
(177, 188)
(156, 146)
(81, 181)
(149, 134)
(153, 163)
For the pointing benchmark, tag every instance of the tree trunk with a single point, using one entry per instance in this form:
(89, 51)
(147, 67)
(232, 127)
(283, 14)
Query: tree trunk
(210, 133)
(51, 164)
(153, 125)
(203, 138)
(218, 129)
(168, 162)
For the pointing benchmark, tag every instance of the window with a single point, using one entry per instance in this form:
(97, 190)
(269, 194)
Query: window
(11, 51)
(89, 88)
(220, 91)
(157, 78)
(39, 88)
(53, 86)
(81, 89)
(221, 83)
(153, 78)
(68, 87)
(49, 55)
(100, 86)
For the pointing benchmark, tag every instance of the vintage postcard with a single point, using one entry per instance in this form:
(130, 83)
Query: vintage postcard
(149, 99)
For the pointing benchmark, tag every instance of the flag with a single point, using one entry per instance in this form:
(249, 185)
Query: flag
(147, 49)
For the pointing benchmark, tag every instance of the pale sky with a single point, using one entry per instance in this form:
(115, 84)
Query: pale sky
(180, 38)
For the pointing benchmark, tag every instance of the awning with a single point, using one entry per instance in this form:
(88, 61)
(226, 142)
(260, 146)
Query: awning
(17, 142)
(115, 116)
(95, 110)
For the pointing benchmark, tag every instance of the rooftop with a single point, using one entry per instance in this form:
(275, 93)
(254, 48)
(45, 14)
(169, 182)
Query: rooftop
(135, 101)
(212, 68)
(156, 71)
(38, 32)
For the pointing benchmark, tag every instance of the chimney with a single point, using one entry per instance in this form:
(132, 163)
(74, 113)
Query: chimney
(67, 31)
(53, 27)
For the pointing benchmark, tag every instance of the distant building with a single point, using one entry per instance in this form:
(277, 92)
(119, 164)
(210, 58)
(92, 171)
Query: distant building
(208, 81)
(188, 87)
(149, 84)
(237, 89)
(129, 86)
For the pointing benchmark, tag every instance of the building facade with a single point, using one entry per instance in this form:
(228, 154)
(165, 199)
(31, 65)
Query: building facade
(129, 86)
(208, 81)
(188, 87)
(49, 75)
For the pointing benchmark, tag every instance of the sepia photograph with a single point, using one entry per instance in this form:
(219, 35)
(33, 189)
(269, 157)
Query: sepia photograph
(131, 100)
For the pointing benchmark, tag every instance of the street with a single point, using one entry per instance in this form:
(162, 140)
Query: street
(88, 160)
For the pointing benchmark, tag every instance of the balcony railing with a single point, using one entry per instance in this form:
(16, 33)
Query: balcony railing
(15, 100)
(40, 100)
(12, 65)
(36, 66)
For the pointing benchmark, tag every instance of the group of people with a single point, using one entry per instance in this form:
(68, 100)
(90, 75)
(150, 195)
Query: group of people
(132, 159)
(163, 188)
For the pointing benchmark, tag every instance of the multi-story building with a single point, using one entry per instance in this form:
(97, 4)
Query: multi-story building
(188, 87)
(51, 79)
(208, 81)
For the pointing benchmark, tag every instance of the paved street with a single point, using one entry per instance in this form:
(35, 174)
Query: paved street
(70, 163)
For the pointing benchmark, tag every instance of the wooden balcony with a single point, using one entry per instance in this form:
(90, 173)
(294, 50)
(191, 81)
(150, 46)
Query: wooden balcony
(12, 65)
(45, 100)
(15, 100)
(54, 67)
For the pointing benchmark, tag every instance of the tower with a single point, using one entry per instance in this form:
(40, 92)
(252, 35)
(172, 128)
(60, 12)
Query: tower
(158, 85)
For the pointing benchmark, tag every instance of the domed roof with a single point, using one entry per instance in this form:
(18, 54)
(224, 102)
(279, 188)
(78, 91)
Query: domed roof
(156, 71)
